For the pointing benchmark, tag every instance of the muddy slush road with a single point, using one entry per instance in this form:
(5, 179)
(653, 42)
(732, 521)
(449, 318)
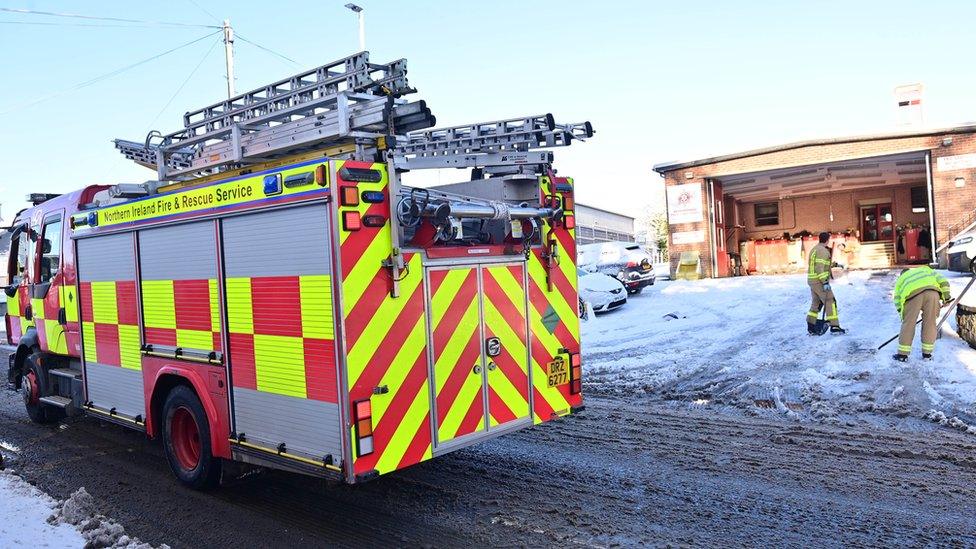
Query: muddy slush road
(621, 473)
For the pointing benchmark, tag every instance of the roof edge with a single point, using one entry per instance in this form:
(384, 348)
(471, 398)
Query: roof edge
(604, 210)
(665, 167)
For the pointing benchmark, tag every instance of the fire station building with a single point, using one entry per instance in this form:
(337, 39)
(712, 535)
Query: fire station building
(888, 199)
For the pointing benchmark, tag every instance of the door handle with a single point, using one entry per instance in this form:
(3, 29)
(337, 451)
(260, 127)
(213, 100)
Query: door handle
(477, 369)
(29, 313)
(62, 316)
(491, 366)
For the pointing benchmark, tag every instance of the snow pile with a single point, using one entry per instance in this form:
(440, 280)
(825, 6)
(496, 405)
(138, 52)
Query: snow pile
(97, 530)
(936, 416)
(23, 510)
(31, 518)
(743, 342)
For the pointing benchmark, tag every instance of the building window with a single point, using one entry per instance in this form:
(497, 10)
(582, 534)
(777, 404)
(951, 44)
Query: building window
(920, 203)
(767, 214)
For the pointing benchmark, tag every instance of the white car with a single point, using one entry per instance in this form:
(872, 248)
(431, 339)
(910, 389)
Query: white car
(961, 252)
(603, 292)
(625, 261)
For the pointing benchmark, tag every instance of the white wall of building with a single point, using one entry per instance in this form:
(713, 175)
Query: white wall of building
(596, 225)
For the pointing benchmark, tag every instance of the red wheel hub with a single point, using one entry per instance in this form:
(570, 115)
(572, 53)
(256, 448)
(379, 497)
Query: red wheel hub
(185, 435)
(32, 391)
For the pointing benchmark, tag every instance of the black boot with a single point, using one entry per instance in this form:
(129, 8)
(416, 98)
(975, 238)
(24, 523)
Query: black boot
(927, 356)
(837, 330)
(900, 357)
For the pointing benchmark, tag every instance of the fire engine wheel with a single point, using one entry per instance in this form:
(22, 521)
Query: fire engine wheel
(32, 387)
(186, 440)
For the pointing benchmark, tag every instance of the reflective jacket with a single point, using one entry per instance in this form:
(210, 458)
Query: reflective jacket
(819, 264)
(915, 281)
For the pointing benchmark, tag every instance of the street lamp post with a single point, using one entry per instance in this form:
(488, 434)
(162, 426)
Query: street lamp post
(362, 27)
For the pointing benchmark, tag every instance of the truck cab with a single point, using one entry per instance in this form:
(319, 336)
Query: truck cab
(42, 308)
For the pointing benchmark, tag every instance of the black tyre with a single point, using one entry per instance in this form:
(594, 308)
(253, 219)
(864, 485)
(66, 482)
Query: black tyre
(33, 386)
(186, 440)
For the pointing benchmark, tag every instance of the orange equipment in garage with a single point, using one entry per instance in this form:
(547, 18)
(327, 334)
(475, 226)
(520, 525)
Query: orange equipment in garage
(913, 252)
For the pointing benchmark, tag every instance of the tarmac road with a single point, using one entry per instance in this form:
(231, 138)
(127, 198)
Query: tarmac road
(621, 473)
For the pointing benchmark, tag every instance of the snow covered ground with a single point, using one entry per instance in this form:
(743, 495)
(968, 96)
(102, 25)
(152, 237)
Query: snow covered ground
(742, 342)
(31, 518)
(23, 517)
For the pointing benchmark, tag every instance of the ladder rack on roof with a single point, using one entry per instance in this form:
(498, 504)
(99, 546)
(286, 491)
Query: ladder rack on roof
(488, 144)
(349, 101)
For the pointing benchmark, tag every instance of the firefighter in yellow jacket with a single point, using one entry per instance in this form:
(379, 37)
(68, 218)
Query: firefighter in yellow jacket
(818, 277)
(919, 291)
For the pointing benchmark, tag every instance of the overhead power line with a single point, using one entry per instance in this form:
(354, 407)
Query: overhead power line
(99, 18)
(97, 25)
(204, 10)
(105, 76)
(272, 52)
(185, 81)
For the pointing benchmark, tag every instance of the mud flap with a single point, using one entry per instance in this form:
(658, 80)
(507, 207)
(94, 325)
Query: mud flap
(13, 373)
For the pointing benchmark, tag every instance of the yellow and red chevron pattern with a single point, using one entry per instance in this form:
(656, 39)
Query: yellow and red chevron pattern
(385, 337)
(553, 317)
(503, 288)
(456, 325)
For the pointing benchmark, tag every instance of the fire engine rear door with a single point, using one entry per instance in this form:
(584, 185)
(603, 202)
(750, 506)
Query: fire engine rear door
(506, 352)
(458, 367)
(478, 349)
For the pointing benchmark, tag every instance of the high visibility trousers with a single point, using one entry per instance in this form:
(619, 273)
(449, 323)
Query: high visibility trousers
(821, 297)
(928, 304)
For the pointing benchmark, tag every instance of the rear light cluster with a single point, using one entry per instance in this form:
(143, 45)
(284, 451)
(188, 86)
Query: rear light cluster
(350, 197)
(575, 373)
(351, 221)
(363, 411)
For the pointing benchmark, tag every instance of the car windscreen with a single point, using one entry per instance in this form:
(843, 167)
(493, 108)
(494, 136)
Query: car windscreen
(587, 255)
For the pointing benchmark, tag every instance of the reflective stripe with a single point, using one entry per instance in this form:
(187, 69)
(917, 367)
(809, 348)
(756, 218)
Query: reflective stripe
(833, 314)
(928, 347)
(904, 349)
(916, 280)
(816, 262)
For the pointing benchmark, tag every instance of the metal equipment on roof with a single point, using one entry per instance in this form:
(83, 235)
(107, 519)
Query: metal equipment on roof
(349, 101)
(353, 103)
(489, 144)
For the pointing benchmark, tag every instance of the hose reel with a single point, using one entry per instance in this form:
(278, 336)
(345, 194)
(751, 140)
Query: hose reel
(446, 215)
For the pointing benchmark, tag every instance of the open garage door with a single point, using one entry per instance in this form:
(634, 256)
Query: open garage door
(878, 208)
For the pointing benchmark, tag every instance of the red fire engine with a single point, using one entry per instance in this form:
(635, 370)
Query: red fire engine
(278, 298)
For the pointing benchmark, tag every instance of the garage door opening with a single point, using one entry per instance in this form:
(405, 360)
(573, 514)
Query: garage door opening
(879, 211)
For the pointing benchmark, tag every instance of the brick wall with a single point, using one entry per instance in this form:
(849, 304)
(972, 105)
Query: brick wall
(812, 213)
(952, 204)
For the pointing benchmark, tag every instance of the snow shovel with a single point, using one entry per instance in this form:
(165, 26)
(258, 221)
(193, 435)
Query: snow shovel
(821, 326)
(949, 307)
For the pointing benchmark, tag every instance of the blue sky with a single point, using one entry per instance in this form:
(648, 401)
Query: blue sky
(659, 80)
